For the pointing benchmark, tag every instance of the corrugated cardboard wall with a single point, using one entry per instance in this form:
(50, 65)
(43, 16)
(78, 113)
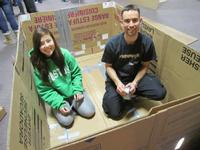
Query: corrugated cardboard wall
(34, 134)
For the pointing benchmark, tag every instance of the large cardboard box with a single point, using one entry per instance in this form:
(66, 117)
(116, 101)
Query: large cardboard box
(153, 126)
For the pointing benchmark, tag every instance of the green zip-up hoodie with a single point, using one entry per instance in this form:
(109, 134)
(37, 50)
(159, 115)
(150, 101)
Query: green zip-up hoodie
(60, 87)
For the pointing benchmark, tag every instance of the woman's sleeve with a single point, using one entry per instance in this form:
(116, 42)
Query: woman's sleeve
(46, 92)
(76, 74)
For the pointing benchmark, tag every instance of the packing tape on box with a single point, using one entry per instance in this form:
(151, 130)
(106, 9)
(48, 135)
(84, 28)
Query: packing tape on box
(108, 4)
(101, 46)
(53, 126)
(69, 136)
(98, 66)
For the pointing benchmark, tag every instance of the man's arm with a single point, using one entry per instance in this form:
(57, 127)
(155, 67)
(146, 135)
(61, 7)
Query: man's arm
(113, 75)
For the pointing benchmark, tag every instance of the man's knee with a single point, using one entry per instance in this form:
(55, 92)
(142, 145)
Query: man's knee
(111, 113)
(160, 94)
(115, 115)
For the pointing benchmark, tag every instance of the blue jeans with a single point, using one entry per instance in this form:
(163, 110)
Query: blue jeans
(6, 9)
(18, 1)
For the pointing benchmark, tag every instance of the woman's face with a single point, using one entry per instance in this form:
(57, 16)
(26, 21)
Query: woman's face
(47, 45)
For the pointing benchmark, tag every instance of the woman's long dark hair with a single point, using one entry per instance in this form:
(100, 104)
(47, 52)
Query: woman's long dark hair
(38, 59)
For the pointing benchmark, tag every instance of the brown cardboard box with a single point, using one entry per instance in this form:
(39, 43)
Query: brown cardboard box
(161, 35)
(35, 20)
(89, 27)
(160, 130)
(153, 126)
(181, 69)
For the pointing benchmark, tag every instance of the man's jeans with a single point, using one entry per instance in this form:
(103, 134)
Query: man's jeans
(6, 9)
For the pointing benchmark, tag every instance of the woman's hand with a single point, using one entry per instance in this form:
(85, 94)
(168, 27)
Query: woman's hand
(78, 96)
(64, 110)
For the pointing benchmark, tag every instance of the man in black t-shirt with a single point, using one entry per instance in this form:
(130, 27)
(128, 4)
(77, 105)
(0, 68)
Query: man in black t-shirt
(127, 57)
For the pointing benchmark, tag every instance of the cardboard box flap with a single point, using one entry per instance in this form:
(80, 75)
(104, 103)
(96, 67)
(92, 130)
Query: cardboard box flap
(180, 69)
(28, 128)
(180, 36)
(136, 137)
(176, 122)
(156, 109)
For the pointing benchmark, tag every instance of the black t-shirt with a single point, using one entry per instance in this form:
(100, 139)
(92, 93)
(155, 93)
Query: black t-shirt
(126, 59)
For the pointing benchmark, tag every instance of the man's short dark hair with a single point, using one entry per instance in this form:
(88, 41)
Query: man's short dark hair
(130, 7)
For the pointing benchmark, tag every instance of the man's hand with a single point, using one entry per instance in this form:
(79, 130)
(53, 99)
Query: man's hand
(113, 75)
(121, 89)
(78, 96)
(132, 87)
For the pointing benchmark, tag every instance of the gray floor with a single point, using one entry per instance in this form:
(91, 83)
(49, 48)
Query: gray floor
(182, 15)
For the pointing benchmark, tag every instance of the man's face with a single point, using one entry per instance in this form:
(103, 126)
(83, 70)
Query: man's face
(131, 22)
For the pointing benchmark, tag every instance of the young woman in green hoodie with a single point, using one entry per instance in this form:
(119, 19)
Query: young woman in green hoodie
(58, 78)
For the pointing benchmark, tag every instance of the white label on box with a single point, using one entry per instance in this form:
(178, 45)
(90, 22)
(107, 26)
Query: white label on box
(25, 17)
(83, 46)
(99, 43)
(102, 46)
(108, 4)
(105, 36)
(53, 126)
(77, 53)
(69, 136)
(73, 135)
(63, 137)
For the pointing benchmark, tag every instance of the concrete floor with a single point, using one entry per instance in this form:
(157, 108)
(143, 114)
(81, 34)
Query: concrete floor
(182, 15)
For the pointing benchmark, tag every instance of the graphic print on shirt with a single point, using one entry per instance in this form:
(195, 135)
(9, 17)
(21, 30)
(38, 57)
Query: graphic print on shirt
(129, 64)
(131, 59)
(55, 73)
